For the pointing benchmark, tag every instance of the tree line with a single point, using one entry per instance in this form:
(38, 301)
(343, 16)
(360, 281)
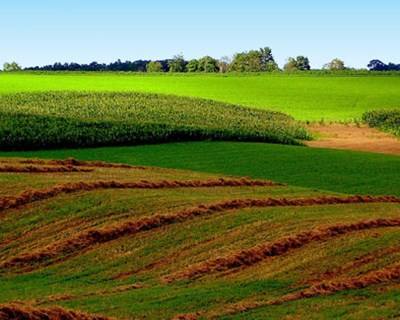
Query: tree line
(261, 60)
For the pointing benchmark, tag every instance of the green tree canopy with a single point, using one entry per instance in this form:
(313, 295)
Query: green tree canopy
(193, 65)
(13, 66)
(177, 64)
(254, 61)
(300, 63)
(154, 66)
(208, 64)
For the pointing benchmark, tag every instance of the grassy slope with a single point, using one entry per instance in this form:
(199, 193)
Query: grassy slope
(340, 171)
(163, 251)
(305, 97)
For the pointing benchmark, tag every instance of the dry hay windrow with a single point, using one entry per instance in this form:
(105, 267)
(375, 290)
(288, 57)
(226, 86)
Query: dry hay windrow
(76, 163)
(187, 316)
(382, 276)
(30, 196)
(248, 257)
(94, 237)
(42, 169)
(358, 262)
(18, 311)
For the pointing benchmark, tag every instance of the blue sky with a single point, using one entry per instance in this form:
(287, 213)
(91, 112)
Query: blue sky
(37, 32)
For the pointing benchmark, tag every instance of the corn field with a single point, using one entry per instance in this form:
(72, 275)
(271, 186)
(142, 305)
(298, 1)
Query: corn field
(80, 119)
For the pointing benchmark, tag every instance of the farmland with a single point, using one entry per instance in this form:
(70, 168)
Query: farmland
(335, 170)
(313, 97)
(163, 229)
(179, 207)
(49, 120)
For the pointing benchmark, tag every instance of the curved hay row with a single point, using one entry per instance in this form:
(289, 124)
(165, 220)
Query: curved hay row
(98, 236)
(30, 196)
(18, 311)
(371, 257)
(249, 257)
(76, 163)
(325, 288)
(42, 169)
(384, 275)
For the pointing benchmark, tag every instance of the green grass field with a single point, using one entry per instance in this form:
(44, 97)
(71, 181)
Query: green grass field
(306, 97)
(339, 171)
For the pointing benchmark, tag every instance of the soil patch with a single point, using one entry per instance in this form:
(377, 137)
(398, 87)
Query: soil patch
(352, 137)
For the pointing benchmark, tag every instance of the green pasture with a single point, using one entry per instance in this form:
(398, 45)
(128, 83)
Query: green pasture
(334, 170)
(341, 97)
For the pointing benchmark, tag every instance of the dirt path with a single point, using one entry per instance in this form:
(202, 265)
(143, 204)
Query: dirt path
(351, 137)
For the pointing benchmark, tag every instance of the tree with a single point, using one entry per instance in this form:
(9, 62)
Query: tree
(10, 67)
(239, 62)
(154, 66)
(208, 64)
(335, 64)
(377, 65)
(267, 60)
(247, 62)
(177, 64)
(291, 65)
(223, 64)
(254, 61)
(193, 65)
(301, 63)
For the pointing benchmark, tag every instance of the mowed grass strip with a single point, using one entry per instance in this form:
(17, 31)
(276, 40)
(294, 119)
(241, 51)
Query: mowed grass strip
(340, 97)
(68, 119)
(334, 170)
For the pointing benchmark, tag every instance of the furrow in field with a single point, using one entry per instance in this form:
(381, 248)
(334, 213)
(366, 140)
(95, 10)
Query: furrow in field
(94, 237)
(20, 311)
(251, 256)
(42, 169)
(75, 162)
(30, 196)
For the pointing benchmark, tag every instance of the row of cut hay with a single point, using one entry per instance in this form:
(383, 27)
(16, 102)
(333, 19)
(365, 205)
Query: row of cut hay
(251, 256)
(371, 257)
(93, 237)
(385, 275)
(30, 196)
(18, 311)
(77, 163)
(42, 169)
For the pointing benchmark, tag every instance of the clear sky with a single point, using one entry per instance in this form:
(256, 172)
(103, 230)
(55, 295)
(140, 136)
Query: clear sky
(37, 32)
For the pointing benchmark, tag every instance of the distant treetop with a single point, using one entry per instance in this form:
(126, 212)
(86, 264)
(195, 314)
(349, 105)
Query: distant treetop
(261, 60)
